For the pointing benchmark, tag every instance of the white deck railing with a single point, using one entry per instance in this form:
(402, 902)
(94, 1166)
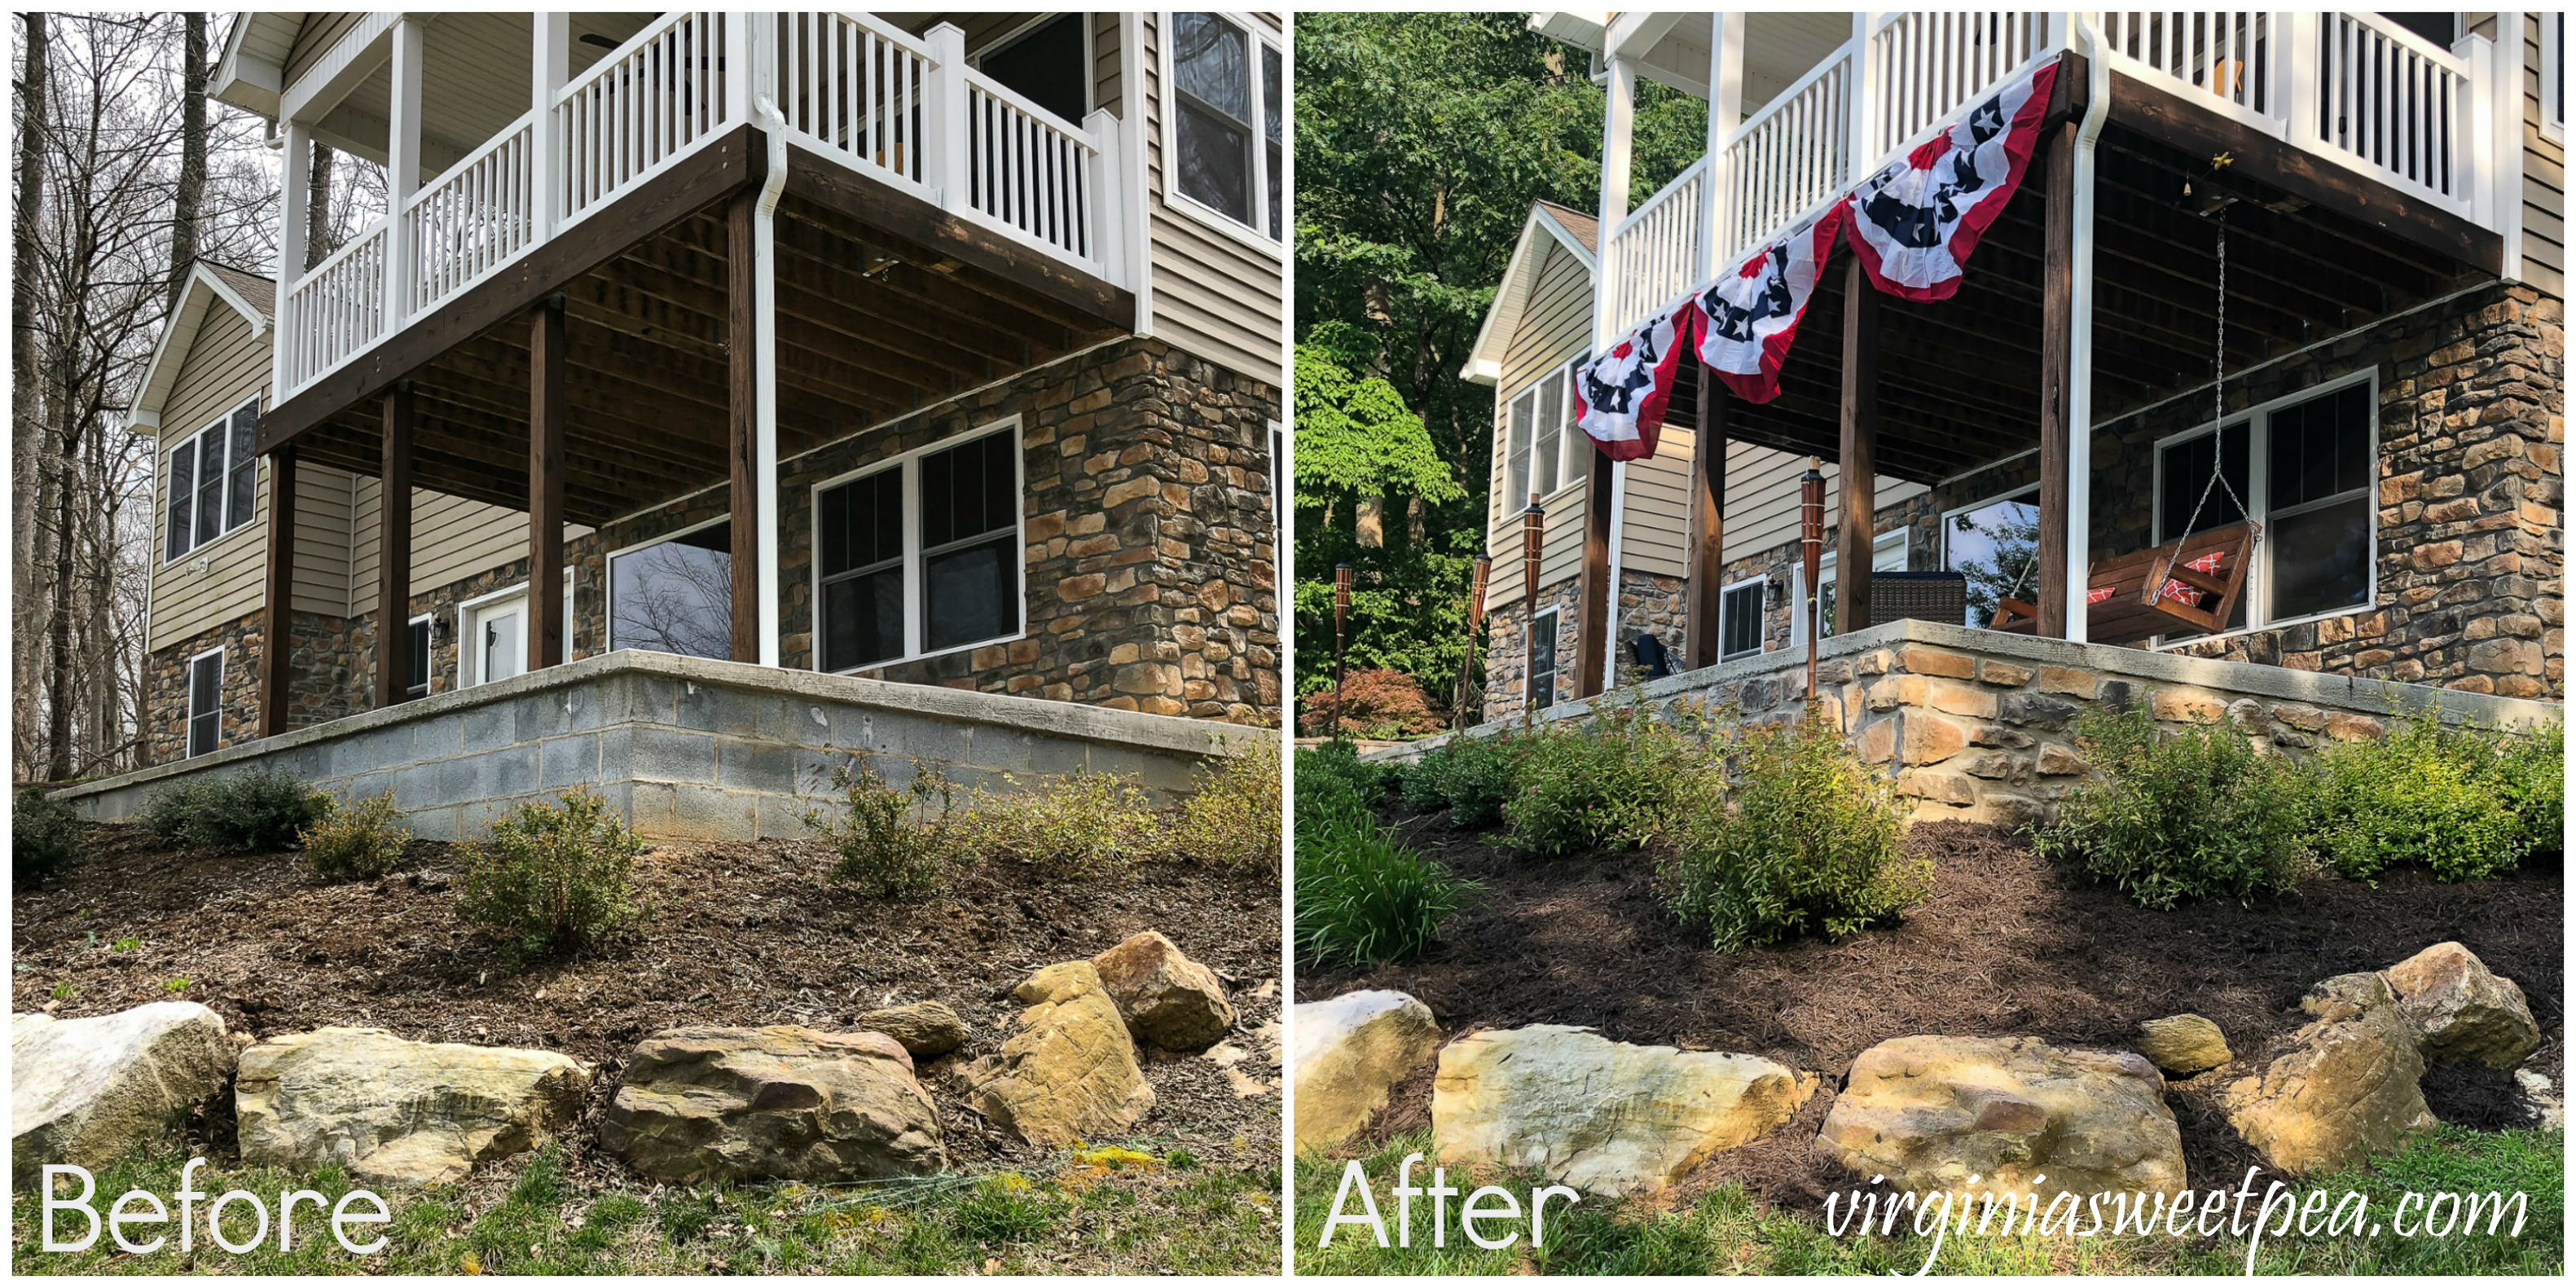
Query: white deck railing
(2352, 88)
(852, 87)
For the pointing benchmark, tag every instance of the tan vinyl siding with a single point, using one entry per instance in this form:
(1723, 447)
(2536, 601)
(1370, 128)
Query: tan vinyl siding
(2544, 177)
(1554, 328)
(1762, 497)
(451, 539)
(228, 365)
(319, 33)
(1654, 519)
(1214, 295)
(1105, 69)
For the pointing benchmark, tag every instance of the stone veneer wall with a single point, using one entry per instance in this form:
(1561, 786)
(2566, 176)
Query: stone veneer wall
(1150, 565)
(691, 749)
(2471, 429)
(1980, 725)
(1507, 649)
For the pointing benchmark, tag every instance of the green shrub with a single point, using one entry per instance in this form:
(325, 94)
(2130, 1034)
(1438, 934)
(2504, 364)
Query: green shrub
(1363, 897)
(258, 810)
(1333, 775)
(2174, 816)
(894, 842)
(2533, 772)
(44, 838)
(554, 878)
(354, 841)
(1608, 782)
(1232, 819)
(1804, 839)
(1469, 777)
(2424, 794)
(1085, 823)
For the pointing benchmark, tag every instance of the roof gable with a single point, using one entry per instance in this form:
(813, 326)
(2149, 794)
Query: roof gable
(1548, 222)
(209, 286)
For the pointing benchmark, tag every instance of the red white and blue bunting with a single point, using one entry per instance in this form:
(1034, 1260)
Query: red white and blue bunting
(1913, 224)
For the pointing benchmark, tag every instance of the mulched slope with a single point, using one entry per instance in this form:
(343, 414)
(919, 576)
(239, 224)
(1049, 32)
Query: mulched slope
(740, 934)
(2007, 945)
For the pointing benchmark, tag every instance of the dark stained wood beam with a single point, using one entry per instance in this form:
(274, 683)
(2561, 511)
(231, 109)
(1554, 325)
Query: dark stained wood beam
(742, 321)
(2056, 371)
(546, 415)
(277, 645)
(1857, 461)
(722, 167)
(1706, 548)
(393, 550)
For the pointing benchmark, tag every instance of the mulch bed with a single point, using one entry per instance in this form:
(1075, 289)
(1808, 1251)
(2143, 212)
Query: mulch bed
(2007, 945)
(738, 934)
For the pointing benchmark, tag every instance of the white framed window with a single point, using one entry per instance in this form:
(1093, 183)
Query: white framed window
(1739, 618)
(1046, 60)
(418, 685)
(1540, 440)
(674, 594)
(923, 554)
(1540, 679)
(213, 482)
(2308, 465)
(2553, 75)
(1224, 124)
(205, 702)
(1888, 552)
(492, 634)
(1994, 543)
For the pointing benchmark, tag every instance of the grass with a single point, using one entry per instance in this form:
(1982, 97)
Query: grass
(1725, 1231)
(1173, 1214)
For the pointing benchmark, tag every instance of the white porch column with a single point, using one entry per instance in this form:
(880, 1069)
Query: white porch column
(291, 247)
(1861, 126)
(1108, 197)
(2500, 89)
(1618, 119)
(943, 118)
(402, 167)
(2079, 384)
(549, 67)
(1725, 112)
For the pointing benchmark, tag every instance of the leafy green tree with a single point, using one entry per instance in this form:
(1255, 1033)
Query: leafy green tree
(1422, 139)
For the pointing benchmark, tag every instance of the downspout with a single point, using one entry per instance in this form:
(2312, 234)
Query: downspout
(2079, 349)
(764, 450)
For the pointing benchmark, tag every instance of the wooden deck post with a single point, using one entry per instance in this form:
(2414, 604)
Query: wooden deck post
(2056, 370)
(1701, 640)
(742, 314)
(393, 551)
(546, 625)
(1858, 464)
(1595, 597)
(277, 619)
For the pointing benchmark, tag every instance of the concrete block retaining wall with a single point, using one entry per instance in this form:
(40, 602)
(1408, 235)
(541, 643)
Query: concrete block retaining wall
(1981, 725)
(688, 748)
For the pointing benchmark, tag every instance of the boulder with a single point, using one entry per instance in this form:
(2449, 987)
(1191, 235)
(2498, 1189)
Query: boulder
(925, 1029)
(2463, 1011)
(2341, 1087)
(2005, 1115)
(2183, 1044)
(396, 1112)
(1167, 999)
(87, 1091)
(777, 1103)
(1349, 1052)
(1605, 1117)
(1070, 1072)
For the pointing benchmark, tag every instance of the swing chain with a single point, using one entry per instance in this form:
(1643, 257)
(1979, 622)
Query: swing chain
(2218, 436)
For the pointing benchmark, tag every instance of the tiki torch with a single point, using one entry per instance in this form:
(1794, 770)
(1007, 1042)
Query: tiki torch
(1475, 618)
(1341, 620)
(1533, 536)
(1811, 549)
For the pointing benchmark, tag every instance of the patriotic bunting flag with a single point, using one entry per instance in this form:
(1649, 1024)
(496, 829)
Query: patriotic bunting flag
(1749, 317)
(1914, 223)
(1623, 391)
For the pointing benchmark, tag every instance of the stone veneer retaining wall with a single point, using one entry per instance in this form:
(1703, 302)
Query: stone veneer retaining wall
(1980, 725)
(690, 749)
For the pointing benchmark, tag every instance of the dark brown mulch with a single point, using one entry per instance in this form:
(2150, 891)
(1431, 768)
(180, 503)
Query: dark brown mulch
(2008, 944)
(739, 934)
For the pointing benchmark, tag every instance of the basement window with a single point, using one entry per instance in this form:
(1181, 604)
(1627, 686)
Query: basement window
(213, 482)
(1739, 619)
(1541, 676)
(675, 595)
(418, 685)
(1225, 116)
(205, 702)
(921, 555)
(2306, 464)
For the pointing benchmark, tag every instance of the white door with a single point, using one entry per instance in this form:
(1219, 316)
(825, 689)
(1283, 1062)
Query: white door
(500, 641)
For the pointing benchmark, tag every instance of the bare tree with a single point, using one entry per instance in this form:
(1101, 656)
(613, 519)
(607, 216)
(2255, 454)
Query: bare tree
(26, 419)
